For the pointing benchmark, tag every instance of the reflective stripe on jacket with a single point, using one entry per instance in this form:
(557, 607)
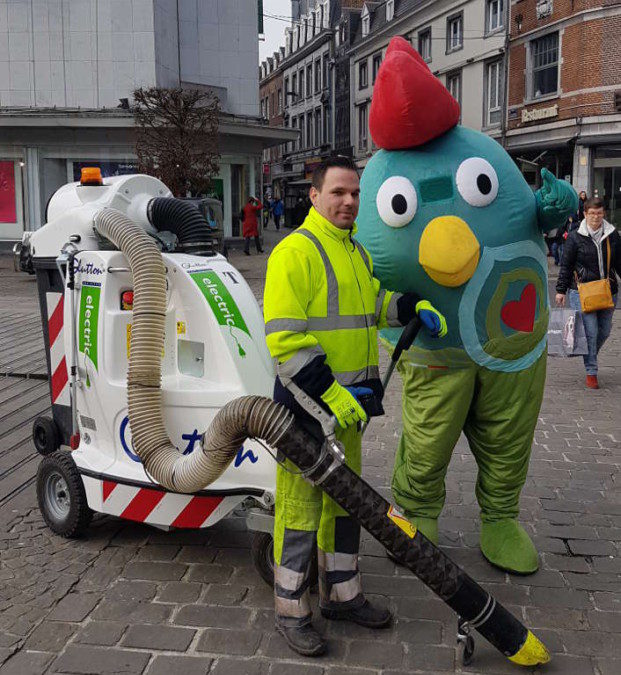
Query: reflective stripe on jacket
(321, 298)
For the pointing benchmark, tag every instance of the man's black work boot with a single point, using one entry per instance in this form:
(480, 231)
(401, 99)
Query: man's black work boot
(304, 640)
(365, 615)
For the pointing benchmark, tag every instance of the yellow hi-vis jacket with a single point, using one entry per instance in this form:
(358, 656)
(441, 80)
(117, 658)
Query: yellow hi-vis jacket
(321, 298)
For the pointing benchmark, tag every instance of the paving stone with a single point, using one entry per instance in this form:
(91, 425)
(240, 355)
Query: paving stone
(185, 665)
(161, 638)
(196, 554)
(180, 592)
(100, 661)
(210, 574)
(429, 658)
(159, 552)
(224, 594)
(224, 666)
(573, 619)
(288, 668)
(608, 666)
(609, 622)
(375, 654)
(216, 617)
(608, 601)
(593, 582)
(154, 571)
(418, 632)
(231, 642)
(26, 662)
(594, 548)
(74, 607)
(104, 633)
(568, 563)
(50, 636)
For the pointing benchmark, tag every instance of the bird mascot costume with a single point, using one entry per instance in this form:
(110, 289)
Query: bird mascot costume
(446, 213)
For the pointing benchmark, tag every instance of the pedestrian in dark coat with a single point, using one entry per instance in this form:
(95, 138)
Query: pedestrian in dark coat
(585, 258)
(250, 224)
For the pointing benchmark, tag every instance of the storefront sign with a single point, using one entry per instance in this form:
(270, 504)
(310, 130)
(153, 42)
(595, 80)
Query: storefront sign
(8, 211)
(539, 113)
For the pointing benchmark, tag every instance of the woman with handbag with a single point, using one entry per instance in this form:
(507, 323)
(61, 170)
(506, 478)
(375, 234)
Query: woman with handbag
(589, 267)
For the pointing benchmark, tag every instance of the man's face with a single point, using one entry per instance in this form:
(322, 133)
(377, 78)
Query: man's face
(594, 218)
(339, 198)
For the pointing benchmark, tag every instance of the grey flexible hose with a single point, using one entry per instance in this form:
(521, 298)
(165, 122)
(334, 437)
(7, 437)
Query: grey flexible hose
(249, 416)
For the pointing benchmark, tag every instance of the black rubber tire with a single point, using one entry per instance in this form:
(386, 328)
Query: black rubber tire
(45, 436)
(61, 496)
(262, 551)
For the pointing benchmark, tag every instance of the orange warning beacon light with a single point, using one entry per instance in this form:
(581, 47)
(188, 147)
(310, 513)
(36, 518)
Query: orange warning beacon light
(91, 175)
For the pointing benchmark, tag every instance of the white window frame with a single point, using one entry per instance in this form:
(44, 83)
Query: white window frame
(530, 70)
(425, 33)
(496, 105)
(363, 64)
(366, 21)
(363, 124)
(451, 36)
(489, 6)
(390, 10)
(455, 76)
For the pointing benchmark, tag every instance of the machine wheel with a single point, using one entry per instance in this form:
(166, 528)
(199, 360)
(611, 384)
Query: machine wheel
(61, 496)
(262, 552)
(45, 435)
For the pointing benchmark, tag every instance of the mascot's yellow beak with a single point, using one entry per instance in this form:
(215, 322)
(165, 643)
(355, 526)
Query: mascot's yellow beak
(448, 251)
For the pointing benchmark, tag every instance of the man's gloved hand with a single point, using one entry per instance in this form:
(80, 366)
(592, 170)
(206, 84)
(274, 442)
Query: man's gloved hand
(434, 322)
(344, 405)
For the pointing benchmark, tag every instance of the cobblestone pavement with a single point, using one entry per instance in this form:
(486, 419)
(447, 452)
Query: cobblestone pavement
(131, 599)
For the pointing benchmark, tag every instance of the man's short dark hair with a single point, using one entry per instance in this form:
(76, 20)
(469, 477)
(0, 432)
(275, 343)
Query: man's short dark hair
(594, 203)
(336, 161)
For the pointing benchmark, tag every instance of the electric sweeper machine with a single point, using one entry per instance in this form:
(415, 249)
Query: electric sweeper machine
(161, 386)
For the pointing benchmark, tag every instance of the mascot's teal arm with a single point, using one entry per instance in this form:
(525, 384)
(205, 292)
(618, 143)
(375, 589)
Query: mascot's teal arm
(556, 201)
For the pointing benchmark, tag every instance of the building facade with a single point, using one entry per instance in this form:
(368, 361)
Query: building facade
(272, 107)
(564, 108)
(462, 42)
(64, 67)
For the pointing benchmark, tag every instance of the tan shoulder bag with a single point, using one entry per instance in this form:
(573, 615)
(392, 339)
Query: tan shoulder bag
(596, 295)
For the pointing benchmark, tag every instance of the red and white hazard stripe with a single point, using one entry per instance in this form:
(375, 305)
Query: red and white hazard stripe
(58, 362)
(157, 507)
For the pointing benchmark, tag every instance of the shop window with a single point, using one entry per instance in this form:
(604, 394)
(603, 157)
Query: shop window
(544, 62)
(454, 32)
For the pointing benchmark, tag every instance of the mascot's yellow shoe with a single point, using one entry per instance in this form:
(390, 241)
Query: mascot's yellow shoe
(505, 544)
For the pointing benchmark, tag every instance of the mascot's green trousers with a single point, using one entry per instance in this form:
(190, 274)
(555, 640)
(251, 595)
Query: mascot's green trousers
(497, 413)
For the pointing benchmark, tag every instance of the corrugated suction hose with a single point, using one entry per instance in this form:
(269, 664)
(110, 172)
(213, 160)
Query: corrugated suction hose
(249, 416)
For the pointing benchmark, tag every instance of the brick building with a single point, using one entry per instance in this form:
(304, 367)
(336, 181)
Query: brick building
(564, 95)
(272, 107)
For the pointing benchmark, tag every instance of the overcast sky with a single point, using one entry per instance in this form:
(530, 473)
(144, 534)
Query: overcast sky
(274, 28)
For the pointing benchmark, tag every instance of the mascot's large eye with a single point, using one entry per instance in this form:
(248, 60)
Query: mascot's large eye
(396, 201)
(477, 181)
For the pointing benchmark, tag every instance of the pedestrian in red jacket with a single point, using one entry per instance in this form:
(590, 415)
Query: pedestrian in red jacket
(250, 224)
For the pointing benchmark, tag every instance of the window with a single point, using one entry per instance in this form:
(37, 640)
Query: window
(295, 143)
(424, 44)
(494, 10)
(363, 75)
(453, 84)
(326, 14)
(309, 79)
(492, 93)
(325, 72)
(301, 76)
(317, 75)
(267, 107)
(297, 36)
(362, 127)
(309, 130)
(318, 140)
(273, 106)
(454, 32)
(366, 21)
(390, 9)
(321, 17)
(314, 23)
(544, 65)
(326, 124)
(377, 62)
(294, 87)
(305, 29)
(287, 90)
(279, 101)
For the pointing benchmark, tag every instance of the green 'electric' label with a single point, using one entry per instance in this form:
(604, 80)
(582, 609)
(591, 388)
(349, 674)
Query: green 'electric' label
(222, 304)
(89, 317)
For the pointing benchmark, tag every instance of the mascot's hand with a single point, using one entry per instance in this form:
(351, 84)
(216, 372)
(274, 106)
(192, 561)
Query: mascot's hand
(434, 322)
(556, 201)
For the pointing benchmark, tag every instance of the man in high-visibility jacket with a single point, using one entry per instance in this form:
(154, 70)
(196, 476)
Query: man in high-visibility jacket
(322, 308)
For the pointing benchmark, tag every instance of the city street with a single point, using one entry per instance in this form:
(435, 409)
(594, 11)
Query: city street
(128, 598)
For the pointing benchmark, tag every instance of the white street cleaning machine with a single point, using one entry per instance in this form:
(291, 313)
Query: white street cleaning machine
(152, 339)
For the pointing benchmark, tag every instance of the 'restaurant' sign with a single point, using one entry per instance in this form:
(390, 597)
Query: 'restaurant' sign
(539, 113)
